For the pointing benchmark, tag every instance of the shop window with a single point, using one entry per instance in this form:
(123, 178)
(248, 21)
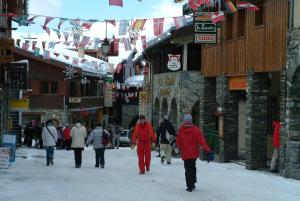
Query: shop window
(44, 87)
(241, 23)
(54, 87)
(229, 27)
(259, 15)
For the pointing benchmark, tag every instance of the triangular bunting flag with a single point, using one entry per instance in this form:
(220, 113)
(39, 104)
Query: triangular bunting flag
(158, 26)
(123, 27)
(36, 52)
(66, 35)
(47, 30)
(61, 21)
(84, 41)
(30, 20)
(88, 24)
(33, 45)
(179, 21)
(57, 32)
(113, 22)
(139, 24)
(25, 45)
(116, 3)
(47, 20)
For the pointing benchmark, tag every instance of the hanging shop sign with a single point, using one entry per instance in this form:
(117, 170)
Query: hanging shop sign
(238, 82)
(174, 62)
(19, 104)
(205, 30)
(74, 100)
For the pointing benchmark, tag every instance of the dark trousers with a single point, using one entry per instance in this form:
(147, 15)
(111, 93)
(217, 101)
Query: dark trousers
(49, 153)
(190, 172)
(99, 153)
(78, 156)
(67, 144)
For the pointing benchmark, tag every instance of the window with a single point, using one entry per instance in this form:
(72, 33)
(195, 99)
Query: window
(259, 15)
(241, 23)
(194, 57)
(54, 87)
(44, 87)
(229, 27)
(73, 88)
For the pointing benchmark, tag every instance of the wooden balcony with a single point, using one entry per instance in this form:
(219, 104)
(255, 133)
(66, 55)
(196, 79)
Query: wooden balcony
(83, 103)
(47, 102)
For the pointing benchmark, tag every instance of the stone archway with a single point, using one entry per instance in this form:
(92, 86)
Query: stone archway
(164, 108)
(174, 113)
(156, 113)
(196, 113)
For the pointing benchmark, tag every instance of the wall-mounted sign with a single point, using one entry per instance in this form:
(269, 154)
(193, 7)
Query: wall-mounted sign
(205, 27)
(174, 62)
(205, 38)
(19, 104)
(144, 97)
(238, 82)
(74, 100)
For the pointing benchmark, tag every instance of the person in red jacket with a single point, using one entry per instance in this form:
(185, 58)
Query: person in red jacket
(276, 145)
(67, 137)
(189, 139)
(143, 136)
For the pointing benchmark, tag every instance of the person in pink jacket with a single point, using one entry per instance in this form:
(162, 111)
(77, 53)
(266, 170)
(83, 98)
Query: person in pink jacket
(189, 140)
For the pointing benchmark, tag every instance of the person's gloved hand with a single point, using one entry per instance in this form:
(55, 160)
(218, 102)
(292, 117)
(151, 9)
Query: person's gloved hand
(210, 156)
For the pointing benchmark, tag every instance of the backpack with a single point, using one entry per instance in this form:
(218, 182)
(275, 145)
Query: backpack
(105, 138)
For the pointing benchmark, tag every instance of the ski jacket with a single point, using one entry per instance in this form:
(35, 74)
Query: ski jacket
(78, 134)
(96, 137)
(161, 132)
(276, 134)
(67, 133)
(48, 139)
(189, 140)
(143, 134)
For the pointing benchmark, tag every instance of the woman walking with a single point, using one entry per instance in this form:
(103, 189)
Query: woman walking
(78, 135)
(96, 136)
(49, 136)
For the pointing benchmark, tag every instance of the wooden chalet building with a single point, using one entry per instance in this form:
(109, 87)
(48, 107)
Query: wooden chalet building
(52, 96)
(236, 87)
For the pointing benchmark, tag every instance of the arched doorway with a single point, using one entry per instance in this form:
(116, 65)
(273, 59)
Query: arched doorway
(156, 113)
(196, 113)
(164, 109)
(174, 113)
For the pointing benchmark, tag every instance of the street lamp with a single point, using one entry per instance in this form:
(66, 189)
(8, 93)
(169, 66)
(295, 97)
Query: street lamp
(105, 46)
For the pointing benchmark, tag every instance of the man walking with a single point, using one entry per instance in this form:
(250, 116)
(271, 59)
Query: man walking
(143, 136)
(188, 140)
(165, 136)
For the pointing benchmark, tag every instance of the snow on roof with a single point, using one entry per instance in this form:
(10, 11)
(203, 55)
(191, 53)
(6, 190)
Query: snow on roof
(60, 52)
(136, 80)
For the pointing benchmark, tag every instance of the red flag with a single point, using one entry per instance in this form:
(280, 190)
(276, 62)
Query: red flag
(194, 4)
(119, 68)
(88, 24)
(158, 25)
(247, 6)
(144, 42)
(217, 17)
(179, 21)
(47, 30)
(33, 45)
(116, 3)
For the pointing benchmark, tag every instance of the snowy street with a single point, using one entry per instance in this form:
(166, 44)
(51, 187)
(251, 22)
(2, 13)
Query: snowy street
(31, 180)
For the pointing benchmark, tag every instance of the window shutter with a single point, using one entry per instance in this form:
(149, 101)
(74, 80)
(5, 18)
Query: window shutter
(61, 88)
(35, 86)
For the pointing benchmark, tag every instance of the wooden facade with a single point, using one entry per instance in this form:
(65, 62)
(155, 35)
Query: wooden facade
(262, 48)
(50, 90)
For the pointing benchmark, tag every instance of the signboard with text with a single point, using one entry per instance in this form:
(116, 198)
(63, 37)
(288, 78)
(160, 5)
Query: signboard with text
(205, 30)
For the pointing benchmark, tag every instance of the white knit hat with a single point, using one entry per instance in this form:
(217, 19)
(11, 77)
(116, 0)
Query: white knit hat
(187, 118)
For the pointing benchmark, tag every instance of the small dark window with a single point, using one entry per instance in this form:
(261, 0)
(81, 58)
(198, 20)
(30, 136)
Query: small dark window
(54, 87)
(241, 23)
(44, 87)
(229, 27)
(194, 57)
(73, 88)
(259, 15)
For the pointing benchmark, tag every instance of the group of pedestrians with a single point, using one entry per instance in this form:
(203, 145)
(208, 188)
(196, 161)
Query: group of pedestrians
(189, 139)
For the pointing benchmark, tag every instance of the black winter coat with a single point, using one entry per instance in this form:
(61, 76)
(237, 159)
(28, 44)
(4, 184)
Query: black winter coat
(161, 132)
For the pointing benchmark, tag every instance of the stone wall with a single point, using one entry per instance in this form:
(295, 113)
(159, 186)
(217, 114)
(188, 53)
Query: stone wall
(128, 112)
(229, 104)
(256, 124)
(181, 86)
(290, 109)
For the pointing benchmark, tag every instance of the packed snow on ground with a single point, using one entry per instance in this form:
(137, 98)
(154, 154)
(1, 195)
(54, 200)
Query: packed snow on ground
(31, 180)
